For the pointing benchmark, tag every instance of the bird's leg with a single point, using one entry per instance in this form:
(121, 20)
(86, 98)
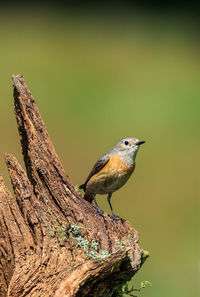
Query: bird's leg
(113, 215)
(109, 197)
(99, 211)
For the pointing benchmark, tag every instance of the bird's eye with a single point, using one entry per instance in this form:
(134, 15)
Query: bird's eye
(126, 142)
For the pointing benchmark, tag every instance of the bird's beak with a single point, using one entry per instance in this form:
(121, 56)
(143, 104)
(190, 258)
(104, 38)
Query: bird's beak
(140, 142)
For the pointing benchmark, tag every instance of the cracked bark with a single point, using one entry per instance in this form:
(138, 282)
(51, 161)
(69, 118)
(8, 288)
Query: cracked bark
(52, 242)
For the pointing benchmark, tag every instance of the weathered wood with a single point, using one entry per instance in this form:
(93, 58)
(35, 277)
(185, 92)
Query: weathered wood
(52, 241)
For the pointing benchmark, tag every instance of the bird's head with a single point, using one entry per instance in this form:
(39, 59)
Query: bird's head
(128, 147)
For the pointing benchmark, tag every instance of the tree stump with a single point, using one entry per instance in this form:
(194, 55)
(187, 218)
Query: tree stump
(52, 241)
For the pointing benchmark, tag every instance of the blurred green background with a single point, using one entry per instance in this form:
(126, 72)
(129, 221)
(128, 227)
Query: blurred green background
(98, 78)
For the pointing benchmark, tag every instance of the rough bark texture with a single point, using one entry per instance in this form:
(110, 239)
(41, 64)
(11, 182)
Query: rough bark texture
(52, 241)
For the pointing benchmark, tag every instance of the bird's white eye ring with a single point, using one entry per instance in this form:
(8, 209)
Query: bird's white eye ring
(126, 142)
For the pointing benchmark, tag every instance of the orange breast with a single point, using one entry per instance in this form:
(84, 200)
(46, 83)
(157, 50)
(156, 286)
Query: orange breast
(111, 177)
(115, 164)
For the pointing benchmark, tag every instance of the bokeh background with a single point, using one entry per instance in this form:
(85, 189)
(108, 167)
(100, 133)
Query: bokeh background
(99, 75)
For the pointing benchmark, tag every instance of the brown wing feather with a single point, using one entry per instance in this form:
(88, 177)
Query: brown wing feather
(97, 167)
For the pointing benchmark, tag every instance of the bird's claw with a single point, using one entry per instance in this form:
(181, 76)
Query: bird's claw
(99, 211)
(114, 218)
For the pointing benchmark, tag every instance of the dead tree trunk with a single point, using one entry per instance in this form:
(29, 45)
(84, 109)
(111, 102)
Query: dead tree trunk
(52, 242)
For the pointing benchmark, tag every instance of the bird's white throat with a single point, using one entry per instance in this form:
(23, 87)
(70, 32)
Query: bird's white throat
(134, 152)
(129, 155)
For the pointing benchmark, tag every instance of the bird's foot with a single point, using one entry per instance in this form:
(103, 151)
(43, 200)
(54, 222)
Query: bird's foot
(99, 211)
(114, 218)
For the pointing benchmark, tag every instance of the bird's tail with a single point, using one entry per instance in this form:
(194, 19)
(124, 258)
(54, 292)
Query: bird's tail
(87, 196)
(82, 187)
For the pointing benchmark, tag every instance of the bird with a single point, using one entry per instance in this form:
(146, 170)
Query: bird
(111, 171)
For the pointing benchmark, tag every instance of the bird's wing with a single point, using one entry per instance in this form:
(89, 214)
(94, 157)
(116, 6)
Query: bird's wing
(97, 167)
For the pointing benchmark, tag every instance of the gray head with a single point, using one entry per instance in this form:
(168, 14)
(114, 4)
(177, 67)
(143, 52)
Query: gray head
(127, 148)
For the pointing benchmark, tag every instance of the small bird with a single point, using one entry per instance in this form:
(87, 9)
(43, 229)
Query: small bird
(112, 171)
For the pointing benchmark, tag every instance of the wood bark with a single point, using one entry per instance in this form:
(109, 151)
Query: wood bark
(52, 241)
